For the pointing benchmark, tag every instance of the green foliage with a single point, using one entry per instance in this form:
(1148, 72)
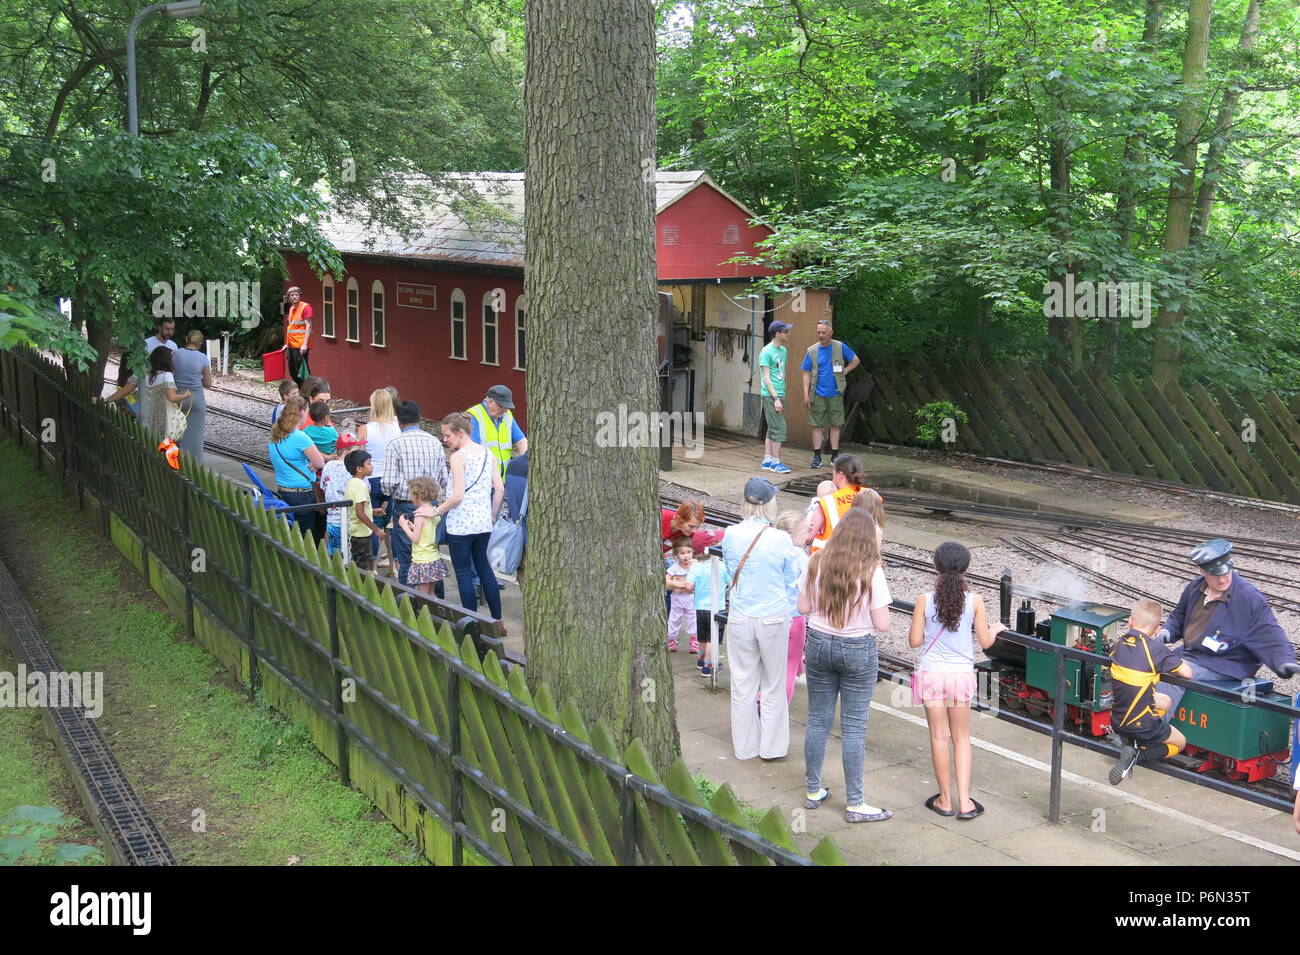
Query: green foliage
(933, 420)
(30, 836)
(245, 137)
(905, 159)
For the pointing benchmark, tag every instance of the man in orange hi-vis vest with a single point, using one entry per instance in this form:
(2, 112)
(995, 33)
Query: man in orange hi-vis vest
(849, 478)
(297, 335)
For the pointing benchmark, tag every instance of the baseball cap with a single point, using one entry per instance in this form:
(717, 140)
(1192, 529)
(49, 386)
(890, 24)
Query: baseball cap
(501, 395)
(1212, 556)
(779, 327)
(759, 490)
(349, 441)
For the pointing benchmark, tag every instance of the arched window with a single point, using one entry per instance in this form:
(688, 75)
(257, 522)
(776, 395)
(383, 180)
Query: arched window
(521, 313)
(378, 332)
(458, 324)
(327, 307)
(354, 311)
(492, 308)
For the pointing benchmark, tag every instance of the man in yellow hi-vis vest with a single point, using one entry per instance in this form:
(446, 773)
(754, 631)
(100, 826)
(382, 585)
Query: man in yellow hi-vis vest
(494, 425)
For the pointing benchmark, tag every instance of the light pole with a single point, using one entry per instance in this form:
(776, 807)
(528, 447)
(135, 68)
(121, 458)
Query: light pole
(183, 8)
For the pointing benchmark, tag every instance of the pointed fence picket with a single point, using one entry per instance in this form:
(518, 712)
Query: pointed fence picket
(449, 745)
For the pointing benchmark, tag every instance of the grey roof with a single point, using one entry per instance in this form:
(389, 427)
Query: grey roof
(475, 218)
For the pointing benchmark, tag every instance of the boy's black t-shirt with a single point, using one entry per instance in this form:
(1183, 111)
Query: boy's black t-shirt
(1145, 659)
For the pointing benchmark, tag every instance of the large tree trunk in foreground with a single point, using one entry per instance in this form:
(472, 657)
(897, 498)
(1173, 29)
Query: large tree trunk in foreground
(1182, 188)
(593, 594)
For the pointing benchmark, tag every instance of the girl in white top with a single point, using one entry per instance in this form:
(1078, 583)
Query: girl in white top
(944, 622)
(379, 430)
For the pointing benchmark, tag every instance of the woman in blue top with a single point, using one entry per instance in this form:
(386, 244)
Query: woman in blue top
(296, 461)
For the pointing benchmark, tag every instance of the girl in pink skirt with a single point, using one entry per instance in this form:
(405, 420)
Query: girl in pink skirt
(944, 622)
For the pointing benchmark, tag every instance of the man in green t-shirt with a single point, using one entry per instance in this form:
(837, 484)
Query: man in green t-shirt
(771, 370)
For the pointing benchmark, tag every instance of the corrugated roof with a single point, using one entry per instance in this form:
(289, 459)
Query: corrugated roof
(494, 232)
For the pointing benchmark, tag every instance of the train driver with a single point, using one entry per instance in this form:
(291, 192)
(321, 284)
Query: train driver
(1226, 625)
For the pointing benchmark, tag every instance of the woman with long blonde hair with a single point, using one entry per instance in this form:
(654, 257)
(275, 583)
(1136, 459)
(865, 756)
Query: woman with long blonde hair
(376, 433)
(846, 597)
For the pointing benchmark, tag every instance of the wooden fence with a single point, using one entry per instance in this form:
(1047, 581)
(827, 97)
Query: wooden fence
(450, 748)
(1233, 442)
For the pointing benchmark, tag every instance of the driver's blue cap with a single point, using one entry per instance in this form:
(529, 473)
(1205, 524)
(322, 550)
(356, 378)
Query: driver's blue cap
(1213, 556)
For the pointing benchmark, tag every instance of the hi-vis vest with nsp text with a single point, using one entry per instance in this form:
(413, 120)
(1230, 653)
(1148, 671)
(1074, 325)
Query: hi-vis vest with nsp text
(837, 360)
(833, 507)
(496, 437)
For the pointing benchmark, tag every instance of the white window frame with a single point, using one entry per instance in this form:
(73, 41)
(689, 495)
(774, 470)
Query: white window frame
(458, 298)
(521, 320)
(494, 324)
(327, 329)
(354, 310)
(378, 324)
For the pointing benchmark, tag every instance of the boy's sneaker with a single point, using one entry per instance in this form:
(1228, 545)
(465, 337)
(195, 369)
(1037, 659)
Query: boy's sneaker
(1128, 757)
(779, 468)
(699, 663)
(766, 466)
(816, 461)
(706, 670)
(672, 646)
(695, 645)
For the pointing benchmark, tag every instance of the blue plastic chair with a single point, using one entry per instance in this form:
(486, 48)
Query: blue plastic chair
(265, 497)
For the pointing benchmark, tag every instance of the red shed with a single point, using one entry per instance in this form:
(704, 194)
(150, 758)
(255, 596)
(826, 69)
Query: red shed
(441, 315)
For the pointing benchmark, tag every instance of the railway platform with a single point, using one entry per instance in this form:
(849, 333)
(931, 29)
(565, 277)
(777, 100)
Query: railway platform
(1150, 820)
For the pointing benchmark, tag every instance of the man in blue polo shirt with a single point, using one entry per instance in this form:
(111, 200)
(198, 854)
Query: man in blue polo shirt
(1226, 625)
(831, 361)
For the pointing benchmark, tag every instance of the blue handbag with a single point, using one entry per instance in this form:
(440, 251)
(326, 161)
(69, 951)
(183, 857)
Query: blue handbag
(509, 536)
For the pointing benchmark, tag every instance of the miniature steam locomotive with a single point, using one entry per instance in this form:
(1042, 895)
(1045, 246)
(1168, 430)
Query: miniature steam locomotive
(1244, 742)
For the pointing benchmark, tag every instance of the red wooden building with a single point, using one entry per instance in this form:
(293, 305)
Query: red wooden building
(441, 316)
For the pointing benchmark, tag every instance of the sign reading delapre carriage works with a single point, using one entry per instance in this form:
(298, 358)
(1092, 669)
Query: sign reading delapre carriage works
(417, 296)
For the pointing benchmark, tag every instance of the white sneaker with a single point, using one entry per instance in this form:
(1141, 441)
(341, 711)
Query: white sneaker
(502, 575)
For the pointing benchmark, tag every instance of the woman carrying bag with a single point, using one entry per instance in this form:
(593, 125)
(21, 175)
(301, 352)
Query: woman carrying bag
(470, 511)
(193, 371)
(296, 461)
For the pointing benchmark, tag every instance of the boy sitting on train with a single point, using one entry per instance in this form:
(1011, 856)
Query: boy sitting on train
(1141, 715)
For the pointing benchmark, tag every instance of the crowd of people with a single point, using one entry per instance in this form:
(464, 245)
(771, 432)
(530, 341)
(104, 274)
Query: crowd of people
(403, 485)
(805, 599)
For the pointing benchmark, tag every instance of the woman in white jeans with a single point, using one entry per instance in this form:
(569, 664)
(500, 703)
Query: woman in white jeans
(761, 563)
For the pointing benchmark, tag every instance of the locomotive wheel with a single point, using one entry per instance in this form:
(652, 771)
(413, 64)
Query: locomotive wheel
(1037, 707)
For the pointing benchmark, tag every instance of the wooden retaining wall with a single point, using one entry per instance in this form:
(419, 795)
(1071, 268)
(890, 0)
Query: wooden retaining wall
(1235, 442)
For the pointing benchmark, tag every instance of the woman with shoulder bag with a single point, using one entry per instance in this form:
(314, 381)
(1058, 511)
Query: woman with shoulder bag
(846, 597)
(470, 512)
(296, 461)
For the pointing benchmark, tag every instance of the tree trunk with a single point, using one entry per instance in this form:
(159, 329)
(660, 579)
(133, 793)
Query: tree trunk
(1126, 201)
(1178, 221)
(594, 589)
(1222, 132)
(1066, 330)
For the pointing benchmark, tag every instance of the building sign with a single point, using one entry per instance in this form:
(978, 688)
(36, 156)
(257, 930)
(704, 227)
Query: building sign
(417, 296)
